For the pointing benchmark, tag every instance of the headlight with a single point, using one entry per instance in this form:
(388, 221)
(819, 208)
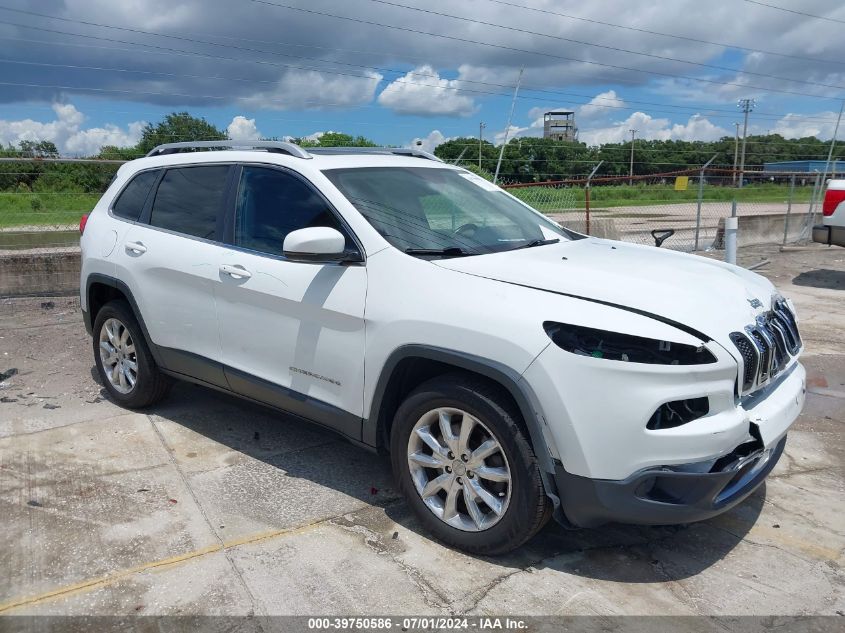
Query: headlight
(587, 341)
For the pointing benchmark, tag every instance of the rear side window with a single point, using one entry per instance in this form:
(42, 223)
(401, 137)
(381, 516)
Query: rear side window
(131, 201)
(189, 199)
(271, 204)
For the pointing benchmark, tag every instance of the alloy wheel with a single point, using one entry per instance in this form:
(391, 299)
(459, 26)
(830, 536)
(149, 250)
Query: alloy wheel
(117, 355)
(459, 469)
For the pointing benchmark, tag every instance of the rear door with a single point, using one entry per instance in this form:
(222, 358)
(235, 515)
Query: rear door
(292, 333)
(169, 259)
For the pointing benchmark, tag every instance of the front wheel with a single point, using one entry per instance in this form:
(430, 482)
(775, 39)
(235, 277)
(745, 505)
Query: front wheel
(465, 466)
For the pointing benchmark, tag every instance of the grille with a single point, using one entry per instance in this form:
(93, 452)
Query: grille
(767, 346)
(749, 359)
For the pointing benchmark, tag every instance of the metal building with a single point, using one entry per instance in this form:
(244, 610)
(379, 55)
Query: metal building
(808, 166)
(560, 125)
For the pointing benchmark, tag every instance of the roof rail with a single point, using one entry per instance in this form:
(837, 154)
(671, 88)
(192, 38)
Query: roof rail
(280, 147)
(398, 151)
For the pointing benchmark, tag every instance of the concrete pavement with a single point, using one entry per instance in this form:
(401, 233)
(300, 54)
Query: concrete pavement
(209, 505)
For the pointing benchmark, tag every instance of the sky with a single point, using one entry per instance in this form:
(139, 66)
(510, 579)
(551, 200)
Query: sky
(87, 73)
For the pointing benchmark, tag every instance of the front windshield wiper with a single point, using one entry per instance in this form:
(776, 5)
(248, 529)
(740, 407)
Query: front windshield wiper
(452, 251)
(533, 243)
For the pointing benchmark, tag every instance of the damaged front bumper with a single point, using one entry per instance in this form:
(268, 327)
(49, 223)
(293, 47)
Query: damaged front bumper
(666, 496)
(684, 493)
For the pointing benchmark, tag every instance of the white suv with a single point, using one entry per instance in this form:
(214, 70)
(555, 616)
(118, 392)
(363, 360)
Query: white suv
(513, 369)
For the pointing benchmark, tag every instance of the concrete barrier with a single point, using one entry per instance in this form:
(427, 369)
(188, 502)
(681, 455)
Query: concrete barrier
(762, 229)
(599, 227)
(27, 273)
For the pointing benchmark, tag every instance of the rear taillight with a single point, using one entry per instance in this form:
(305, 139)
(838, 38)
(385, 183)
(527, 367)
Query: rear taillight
(82, 222)
(832, 198)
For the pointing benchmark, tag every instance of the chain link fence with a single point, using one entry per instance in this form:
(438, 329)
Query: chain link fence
(688, 210)
(42, 201)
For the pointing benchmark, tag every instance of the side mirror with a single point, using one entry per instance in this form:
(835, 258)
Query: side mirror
(316, 244)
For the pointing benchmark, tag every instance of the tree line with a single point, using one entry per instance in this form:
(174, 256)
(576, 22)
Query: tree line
(524, 160)
(539, 159)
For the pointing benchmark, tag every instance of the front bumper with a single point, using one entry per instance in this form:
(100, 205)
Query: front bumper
(661, 496)
(684, 493)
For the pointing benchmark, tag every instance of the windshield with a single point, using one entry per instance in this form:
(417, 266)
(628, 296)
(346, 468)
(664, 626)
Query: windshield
(433, 211)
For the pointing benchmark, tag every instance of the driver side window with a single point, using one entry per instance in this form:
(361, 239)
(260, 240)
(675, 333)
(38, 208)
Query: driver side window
(271, 204)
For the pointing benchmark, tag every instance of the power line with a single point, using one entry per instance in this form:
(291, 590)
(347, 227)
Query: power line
(318, 69)
(670, 35)
(793, 11)
(177, 51)
(539, 53)
(697, 109)
(603, 46)
(349, 64)
(710, 112)
(154, 93)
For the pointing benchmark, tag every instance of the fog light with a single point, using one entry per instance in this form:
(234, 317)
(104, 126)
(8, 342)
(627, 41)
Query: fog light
(678, 412)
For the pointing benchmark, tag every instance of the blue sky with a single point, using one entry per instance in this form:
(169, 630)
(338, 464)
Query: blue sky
(88, 72)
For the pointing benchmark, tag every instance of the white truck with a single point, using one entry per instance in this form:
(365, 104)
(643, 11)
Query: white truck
(832, 229)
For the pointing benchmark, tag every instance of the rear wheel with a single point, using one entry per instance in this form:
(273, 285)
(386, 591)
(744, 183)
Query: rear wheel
(465, 466)
(123, 359)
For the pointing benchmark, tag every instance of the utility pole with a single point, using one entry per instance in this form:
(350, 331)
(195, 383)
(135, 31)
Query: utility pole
(746, 105)
(631, 170)
(508, 128)
(736, 151)
(481, 127)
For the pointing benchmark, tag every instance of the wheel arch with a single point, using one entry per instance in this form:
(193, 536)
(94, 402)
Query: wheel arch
(410, 365)
(99, 290)
(424, 362)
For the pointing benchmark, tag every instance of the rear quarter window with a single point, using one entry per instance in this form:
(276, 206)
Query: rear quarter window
(189, 200)
(132, 199)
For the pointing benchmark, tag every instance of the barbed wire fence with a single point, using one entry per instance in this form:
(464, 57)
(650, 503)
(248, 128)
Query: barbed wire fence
(43, 199)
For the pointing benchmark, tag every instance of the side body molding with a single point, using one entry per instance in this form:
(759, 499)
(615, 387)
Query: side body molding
(117, 284)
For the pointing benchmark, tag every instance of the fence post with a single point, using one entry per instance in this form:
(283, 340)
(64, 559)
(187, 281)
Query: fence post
(587, 198)
(731, 226)
(700, 198)
(788, 207)
(807, 230)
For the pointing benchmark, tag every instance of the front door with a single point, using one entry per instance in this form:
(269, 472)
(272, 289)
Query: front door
(292, 334)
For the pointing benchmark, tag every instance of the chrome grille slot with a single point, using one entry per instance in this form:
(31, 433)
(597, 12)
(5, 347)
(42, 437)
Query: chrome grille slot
(764, 347)
(783, 315)
(767, 346)
(749, 360)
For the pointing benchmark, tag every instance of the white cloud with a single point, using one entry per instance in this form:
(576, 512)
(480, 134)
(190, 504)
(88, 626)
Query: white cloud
(820, 125)
(429, 143)
(316, 136)
(244, 129)
(311, 90)
(67, 133)
(422, 92)
(515, 131)
(697, 128)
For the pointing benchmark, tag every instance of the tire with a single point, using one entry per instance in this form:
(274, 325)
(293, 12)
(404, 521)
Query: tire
(464, 399)
(117, 328)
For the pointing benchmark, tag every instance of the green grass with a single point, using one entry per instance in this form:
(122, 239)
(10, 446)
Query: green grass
(44, 209)
(572, 198)
(63, 208)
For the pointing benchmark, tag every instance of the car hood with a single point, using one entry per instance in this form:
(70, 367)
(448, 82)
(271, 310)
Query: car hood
(694, 292)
